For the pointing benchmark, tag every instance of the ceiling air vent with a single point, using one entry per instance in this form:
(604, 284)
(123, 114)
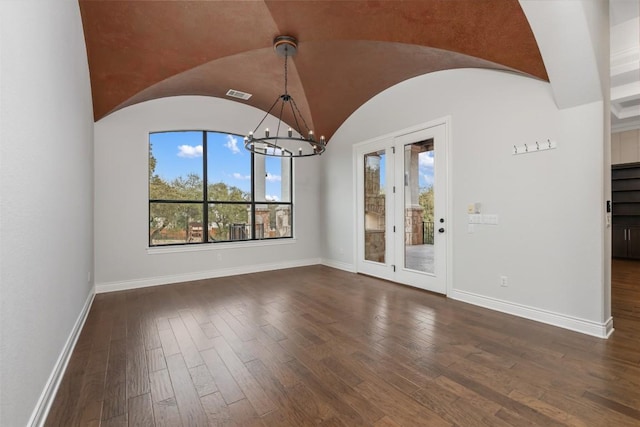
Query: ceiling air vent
(238, 94)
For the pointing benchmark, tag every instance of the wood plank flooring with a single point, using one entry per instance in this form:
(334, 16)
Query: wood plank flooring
(625, 289)
(318, 346)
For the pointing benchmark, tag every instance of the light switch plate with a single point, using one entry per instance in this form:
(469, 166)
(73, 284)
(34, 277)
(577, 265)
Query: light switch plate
(491, 219)
(475, 219)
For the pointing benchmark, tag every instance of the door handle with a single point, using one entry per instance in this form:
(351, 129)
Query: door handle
(441, 230)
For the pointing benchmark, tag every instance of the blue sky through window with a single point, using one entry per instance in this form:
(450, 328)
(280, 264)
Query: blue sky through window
(179, 153)
(425, 169)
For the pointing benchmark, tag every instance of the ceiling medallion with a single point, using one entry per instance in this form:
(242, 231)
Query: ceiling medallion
(294, 142)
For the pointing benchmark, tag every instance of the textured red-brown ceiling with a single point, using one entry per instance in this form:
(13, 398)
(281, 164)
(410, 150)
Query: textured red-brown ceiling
(349, 51)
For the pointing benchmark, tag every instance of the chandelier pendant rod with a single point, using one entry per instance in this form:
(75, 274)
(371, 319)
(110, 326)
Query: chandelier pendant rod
(279, 123)
(266, 115)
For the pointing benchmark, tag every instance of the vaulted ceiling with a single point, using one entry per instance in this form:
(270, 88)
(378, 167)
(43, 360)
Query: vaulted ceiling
(349, 51)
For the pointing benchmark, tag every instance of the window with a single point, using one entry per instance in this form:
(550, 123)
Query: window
(204, 187)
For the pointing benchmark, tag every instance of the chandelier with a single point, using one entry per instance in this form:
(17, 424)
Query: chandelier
(295, 141)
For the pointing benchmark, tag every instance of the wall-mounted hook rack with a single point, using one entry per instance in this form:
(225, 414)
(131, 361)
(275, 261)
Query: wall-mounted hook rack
(528, 148)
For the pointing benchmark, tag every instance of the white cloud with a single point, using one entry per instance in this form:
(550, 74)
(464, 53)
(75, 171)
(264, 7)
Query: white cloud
(273, 178)
(232, 144)
(270, 198)
(189, 151)
(426, 159)
(237, 175)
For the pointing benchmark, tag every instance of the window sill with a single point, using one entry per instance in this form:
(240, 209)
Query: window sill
(218, 246)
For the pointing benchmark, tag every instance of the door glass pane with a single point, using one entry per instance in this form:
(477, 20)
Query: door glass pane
(419, 223)
(374, 207)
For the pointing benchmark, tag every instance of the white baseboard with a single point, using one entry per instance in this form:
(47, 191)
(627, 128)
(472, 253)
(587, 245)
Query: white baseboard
(339, 265)
(39, 415)
(608, 327)
(600, 330)
(200, 275)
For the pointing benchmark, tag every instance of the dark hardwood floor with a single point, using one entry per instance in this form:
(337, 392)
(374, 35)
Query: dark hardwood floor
(625, 289)
(318, 346)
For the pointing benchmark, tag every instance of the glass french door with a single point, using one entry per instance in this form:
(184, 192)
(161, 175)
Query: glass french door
(401, 209)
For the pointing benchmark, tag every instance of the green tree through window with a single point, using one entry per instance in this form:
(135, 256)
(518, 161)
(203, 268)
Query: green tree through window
(203, 189)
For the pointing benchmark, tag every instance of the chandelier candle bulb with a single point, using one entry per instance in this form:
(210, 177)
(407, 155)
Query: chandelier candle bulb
(322, 139)
(290, 132)
(266, 132)
(300, 151)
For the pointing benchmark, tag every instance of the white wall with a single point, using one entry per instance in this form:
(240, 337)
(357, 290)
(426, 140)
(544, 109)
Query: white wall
(122, 256)
(46, 214)
(549, 241)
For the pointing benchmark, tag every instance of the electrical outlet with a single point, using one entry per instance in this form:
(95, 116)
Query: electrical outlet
(503, 281)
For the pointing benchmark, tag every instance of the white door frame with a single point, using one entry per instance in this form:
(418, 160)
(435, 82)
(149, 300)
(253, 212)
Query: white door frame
(357, 147)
